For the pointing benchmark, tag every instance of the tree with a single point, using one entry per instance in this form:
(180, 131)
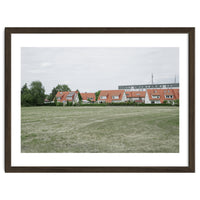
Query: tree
(24, 89)
(62, 88)
(97, 94)
(37, 92)
(26, 98)
(79, 96)
(55, 100)
(89, 100)
(53, 94)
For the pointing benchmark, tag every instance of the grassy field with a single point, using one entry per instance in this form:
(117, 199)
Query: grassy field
(100, 129)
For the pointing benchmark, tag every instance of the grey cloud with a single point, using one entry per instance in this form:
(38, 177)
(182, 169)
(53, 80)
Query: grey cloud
(91, 69)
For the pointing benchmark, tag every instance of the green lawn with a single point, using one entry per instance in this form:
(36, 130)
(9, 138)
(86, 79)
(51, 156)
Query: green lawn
(100, 129)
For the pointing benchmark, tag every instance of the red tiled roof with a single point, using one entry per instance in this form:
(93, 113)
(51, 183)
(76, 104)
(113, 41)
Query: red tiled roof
(136, 94)
(86, 96)
(60, 94)
(63, 96)
(109, 94)
(162, 93)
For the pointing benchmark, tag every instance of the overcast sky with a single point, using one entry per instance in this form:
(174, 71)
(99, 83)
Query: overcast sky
(91, 69)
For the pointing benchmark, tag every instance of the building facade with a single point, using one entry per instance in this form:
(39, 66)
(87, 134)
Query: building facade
(88, 97)
(112, 96)
(136, 96)
(63, 97)
(157, 96)
(148, 86)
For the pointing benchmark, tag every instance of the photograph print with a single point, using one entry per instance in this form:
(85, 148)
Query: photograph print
(100, 99)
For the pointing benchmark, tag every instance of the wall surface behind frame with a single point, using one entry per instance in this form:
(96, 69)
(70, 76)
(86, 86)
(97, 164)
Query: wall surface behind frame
(103, 13)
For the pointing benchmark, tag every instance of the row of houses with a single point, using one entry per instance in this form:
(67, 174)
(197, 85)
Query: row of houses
(150, 96)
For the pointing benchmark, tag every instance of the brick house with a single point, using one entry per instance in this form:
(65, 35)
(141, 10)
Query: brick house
(136, 96)
(110, 96)
(71, 96)
(160, 95)
(88, 97)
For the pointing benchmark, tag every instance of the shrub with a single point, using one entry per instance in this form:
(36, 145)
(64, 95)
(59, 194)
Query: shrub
(69, 103)
(135, 104)
(165, 102)
(176, 102)
(49, 104)
(124, 104)
(59, 104)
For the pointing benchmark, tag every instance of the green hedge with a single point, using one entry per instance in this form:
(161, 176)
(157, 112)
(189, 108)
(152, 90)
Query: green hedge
(59, 104)
(49, 104)
(124, 104)
(104, 104)
(69, 103)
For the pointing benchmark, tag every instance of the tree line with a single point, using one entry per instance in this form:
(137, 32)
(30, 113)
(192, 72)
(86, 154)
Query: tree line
(34, 95)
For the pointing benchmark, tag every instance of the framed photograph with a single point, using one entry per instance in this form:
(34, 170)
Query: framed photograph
(99, 99)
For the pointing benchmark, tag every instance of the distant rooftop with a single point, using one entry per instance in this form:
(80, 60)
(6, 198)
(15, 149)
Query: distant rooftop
(146, 86)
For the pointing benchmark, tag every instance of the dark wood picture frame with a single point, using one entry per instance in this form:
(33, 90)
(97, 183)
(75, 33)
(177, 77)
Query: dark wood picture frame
(191, 98)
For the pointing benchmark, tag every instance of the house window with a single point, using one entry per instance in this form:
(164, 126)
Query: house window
(169, 96)
(70, 98)
(138, 94)
(58, 98)
(155, 97)
(103, 97)
(115, 97)
(60, 92)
